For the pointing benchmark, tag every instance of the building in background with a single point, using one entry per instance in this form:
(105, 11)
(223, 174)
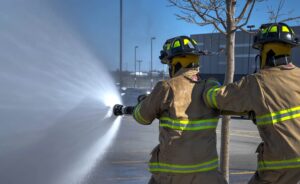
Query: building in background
(215, 65)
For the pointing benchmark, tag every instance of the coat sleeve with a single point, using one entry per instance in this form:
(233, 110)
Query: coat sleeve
(237, 98)
(151, 107)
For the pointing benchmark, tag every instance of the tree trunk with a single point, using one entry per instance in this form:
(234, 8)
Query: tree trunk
(230, 51)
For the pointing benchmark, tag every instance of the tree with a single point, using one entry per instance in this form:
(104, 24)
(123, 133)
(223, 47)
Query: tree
(222, 15)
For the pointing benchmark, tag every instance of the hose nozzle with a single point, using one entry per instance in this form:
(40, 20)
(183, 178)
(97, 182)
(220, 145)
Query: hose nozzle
(120, 110)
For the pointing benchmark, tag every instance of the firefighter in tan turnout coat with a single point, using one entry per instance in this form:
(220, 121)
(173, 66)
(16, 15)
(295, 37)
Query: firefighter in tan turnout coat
(186, 153)
(272, 97)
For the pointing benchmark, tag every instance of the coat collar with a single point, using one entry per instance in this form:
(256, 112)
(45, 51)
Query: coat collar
(190, 73)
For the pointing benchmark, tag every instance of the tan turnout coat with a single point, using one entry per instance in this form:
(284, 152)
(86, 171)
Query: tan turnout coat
(186, 153)
(273, 94)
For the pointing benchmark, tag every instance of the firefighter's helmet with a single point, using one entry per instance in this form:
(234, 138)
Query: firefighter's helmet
(180, 52)
(178, 46)
(275, 32)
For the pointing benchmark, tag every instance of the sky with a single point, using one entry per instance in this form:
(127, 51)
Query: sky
(97, 21)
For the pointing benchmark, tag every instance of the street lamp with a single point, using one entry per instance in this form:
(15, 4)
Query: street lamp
(139, 61)
(250, 29)
(151, 64)
(135, 65)
(121, 42)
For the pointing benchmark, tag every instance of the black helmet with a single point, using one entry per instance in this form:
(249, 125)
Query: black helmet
(274, 32)
(178, 46)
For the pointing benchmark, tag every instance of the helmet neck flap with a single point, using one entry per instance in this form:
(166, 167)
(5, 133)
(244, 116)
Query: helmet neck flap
(275, 54)
(178, 62)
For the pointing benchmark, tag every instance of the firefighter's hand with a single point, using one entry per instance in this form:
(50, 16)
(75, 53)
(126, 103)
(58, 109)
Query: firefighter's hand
(141, 98)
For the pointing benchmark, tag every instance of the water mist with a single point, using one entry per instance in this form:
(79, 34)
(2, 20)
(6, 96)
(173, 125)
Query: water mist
(55, 98)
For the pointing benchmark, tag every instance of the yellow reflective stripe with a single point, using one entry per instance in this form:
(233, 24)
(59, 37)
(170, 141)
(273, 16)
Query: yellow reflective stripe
(176, 44)
(187, 128)
(208, 96)
(174, 168)
(280, 116)
(211, 96)
(285, 29)
(168, 46)
(195, 42)
(264, 30)
(192, 125)
(189, 121)
(273, 29)
(186, 41)
(137, 114)
(282, 164)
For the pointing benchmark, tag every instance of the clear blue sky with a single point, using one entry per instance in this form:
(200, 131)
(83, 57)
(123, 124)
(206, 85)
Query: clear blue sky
(98, 22)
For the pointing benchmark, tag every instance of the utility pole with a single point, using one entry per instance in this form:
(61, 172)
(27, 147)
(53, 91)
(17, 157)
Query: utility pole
(121, 42)
(250, 29)
(135, 65)
(151, 65)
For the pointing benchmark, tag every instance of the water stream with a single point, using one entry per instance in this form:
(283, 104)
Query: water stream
(55, 98)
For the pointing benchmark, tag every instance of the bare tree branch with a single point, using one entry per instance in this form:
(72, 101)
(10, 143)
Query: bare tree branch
(242, 14)
(274, 15)
(218, 8)
(203, 10)
(204, 16)
(290, 19)
(279, 8)
(246, 31)
(248, 17)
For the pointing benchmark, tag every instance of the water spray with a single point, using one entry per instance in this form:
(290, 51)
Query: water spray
(56, 95)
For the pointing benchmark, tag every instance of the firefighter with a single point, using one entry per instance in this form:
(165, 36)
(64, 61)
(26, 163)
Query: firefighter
(272, 98)
(186, 152)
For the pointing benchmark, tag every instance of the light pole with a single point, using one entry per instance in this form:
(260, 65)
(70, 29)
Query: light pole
(135, 65)
(139, 61)
(121, 41)
(250, 29)
(151, 64)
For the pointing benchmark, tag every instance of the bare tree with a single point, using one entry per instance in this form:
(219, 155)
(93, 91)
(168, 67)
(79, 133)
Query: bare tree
(276, 13)
(223, 16)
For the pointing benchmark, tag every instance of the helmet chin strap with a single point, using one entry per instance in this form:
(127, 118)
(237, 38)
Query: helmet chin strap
(273, 60)
(258, 56)
(171, 70)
